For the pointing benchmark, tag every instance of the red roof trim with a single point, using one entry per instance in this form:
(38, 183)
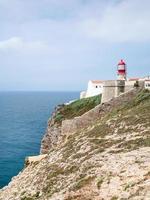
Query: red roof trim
(134, 79)
(96, 81)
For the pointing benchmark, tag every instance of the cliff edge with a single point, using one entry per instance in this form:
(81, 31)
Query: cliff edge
(63, 113)
(104, 154)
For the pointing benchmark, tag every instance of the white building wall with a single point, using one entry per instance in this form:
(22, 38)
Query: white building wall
(82, 94)
(130, 83)
(147, 84)
(94, 89)
(97, 87)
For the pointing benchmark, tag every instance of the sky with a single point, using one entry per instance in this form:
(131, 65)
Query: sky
(58, 45)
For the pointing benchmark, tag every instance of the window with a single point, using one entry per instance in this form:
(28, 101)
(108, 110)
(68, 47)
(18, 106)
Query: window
(147, 85)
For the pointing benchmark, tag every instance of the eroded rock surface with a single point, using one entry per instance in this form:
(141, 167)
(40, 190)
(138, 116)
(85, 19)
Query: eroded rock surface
(52, 134)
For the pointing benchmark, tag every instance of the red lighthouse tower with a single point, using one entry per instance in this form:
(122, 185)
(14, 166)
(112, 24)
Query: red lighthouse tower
(122, 70)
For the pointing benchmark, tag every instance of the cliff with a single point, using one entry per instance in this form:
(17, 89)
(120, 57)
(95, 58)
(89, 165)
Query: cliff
(61, 114)
(105, 155)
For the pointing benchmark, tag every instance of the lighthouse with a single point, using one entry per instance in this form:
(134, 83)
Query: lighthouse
(122, 70)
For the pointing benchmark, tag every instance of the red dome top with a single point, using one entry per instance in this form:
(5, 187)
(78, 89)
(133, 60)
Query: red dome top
(121, 62)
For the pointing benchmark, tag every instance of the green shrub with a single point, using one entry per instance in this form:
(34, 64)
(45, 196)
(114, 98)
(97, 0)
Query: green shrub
(99, 183)
(77, 108)
(114, 198)
(83, 182)
(59, 117)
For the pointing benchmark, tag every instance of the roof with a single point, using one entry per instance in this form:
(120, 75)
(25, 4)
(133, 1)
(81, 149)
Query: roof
(134, 79)
(139, 79)
(96, 81)
(147, 78)
(122, 62)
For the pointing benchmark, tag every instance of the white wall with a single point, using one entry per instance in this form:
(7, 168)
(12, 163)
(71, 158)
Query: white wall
(147, 84)
(94, 89)
(130, 83)
(82, 94)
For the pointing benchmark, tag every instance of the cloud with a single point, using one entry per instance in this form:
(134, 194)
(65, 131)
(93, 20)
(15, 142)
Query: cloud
(126, 21)
(19, 44)
(106, 21)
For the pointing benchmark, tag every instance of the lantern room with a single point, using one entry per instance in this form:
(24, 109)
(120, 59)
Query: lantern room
(122, 70)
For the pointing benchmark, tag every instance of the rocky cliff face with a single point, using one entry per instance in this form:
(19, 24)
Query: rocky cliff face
(52, 134)
(62, 115)
(65, 120)
(107, 159)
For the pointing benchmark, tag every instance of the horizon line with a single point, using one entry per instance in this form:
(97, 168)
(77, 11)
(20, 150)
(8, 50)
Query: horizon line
(40, 90)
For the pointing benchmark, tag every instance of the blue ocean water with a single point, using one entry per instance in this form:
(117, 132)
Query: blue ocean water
(23, 120)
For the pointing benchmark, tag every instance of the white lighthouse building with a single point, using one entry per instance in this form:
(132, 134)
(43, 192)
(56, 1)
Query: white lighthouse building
(95, 87)
(114, 88)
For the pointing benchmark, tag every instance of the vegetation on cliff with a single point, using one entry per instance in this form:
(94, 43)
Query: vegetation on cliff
(77, 108)
(108, 160)
(65, 112)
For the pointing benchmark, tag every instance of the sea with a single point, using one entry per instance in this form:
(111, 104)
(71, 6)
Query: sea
(23, 121)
